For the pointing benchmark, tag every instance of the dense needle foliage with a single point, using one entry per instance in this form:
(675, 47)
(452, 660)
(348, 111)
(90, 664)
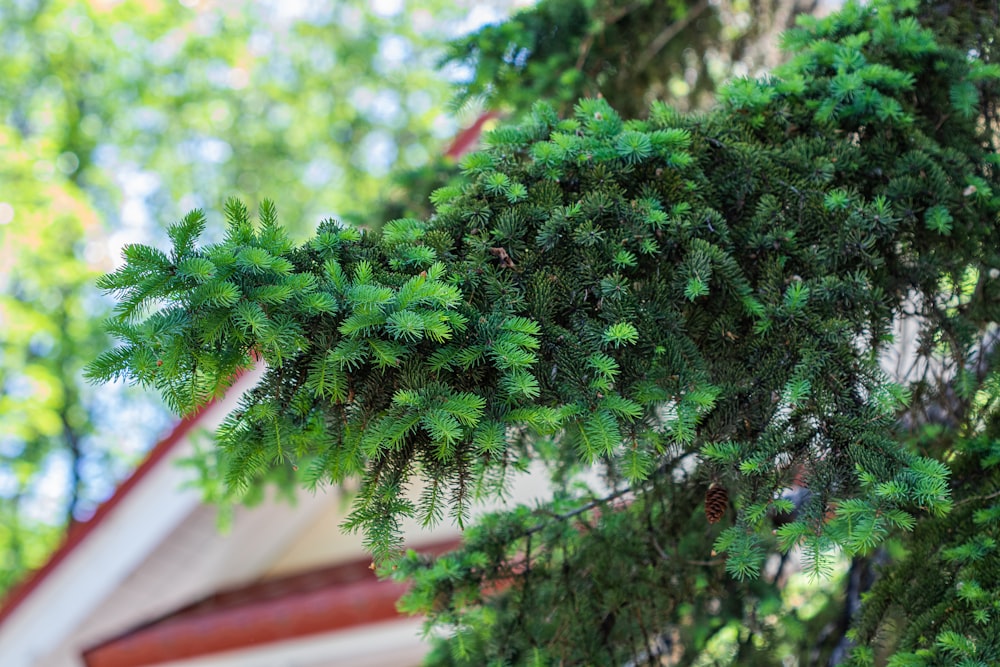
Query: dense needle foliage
(683, 300)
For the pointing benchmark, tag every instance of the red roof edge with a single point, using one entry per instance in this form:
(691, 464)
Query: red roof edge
(468, 137)
(78, 532)
(318, 601)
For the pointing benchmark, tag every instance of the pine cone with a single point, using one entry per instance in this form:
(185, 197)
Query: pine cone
(442, 600)
(716, 501)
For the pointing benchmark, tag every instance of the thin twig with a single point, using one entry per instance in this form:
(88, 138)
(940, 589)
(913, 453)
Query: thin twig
(974, 498)
(584, 51)
(668, 34)
(579, 510)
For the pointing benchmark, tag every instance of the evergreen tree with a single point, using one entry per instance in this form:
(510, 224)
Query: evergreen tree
(697, 305)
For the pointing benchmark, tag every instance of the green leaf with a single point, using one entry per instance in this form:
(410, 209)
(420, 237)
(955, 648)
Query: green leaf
(964, 98)
(722, 452)
(184, 233)
(599, 435)
(604, 365)
(636, 464)
(348, 355)
(521, 384)
(695, 288)
(796, 391)
(467, 408)
(621, 333)
(796, 296)
(362, 324)
(634, 147)
(938, 219)
(250, 317)
(406, 325)
(405, 230)
(198, 269)
(254, 260)
(509, 356)
(386, 353)
(489, 438)
(621, 407)
(522, 325)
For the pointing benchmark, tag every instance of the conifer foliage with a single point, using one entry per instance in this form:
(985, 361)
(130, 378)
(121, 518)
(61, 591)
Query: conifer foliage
(694, 303)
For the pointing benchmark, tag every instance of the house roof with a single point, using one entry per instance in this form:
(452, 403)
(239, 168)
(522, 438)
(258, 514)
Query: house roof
(78, 532)
(153, 515)
(323, 600)
(154, 547)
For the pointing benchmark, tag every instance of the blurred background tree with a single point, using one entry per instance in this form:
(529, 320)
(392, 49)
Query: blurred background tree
(115, 118)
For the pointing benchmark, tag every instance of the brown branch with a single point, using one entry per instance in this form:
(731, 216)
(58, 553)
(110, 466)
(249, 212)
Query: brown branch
(505, 261)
